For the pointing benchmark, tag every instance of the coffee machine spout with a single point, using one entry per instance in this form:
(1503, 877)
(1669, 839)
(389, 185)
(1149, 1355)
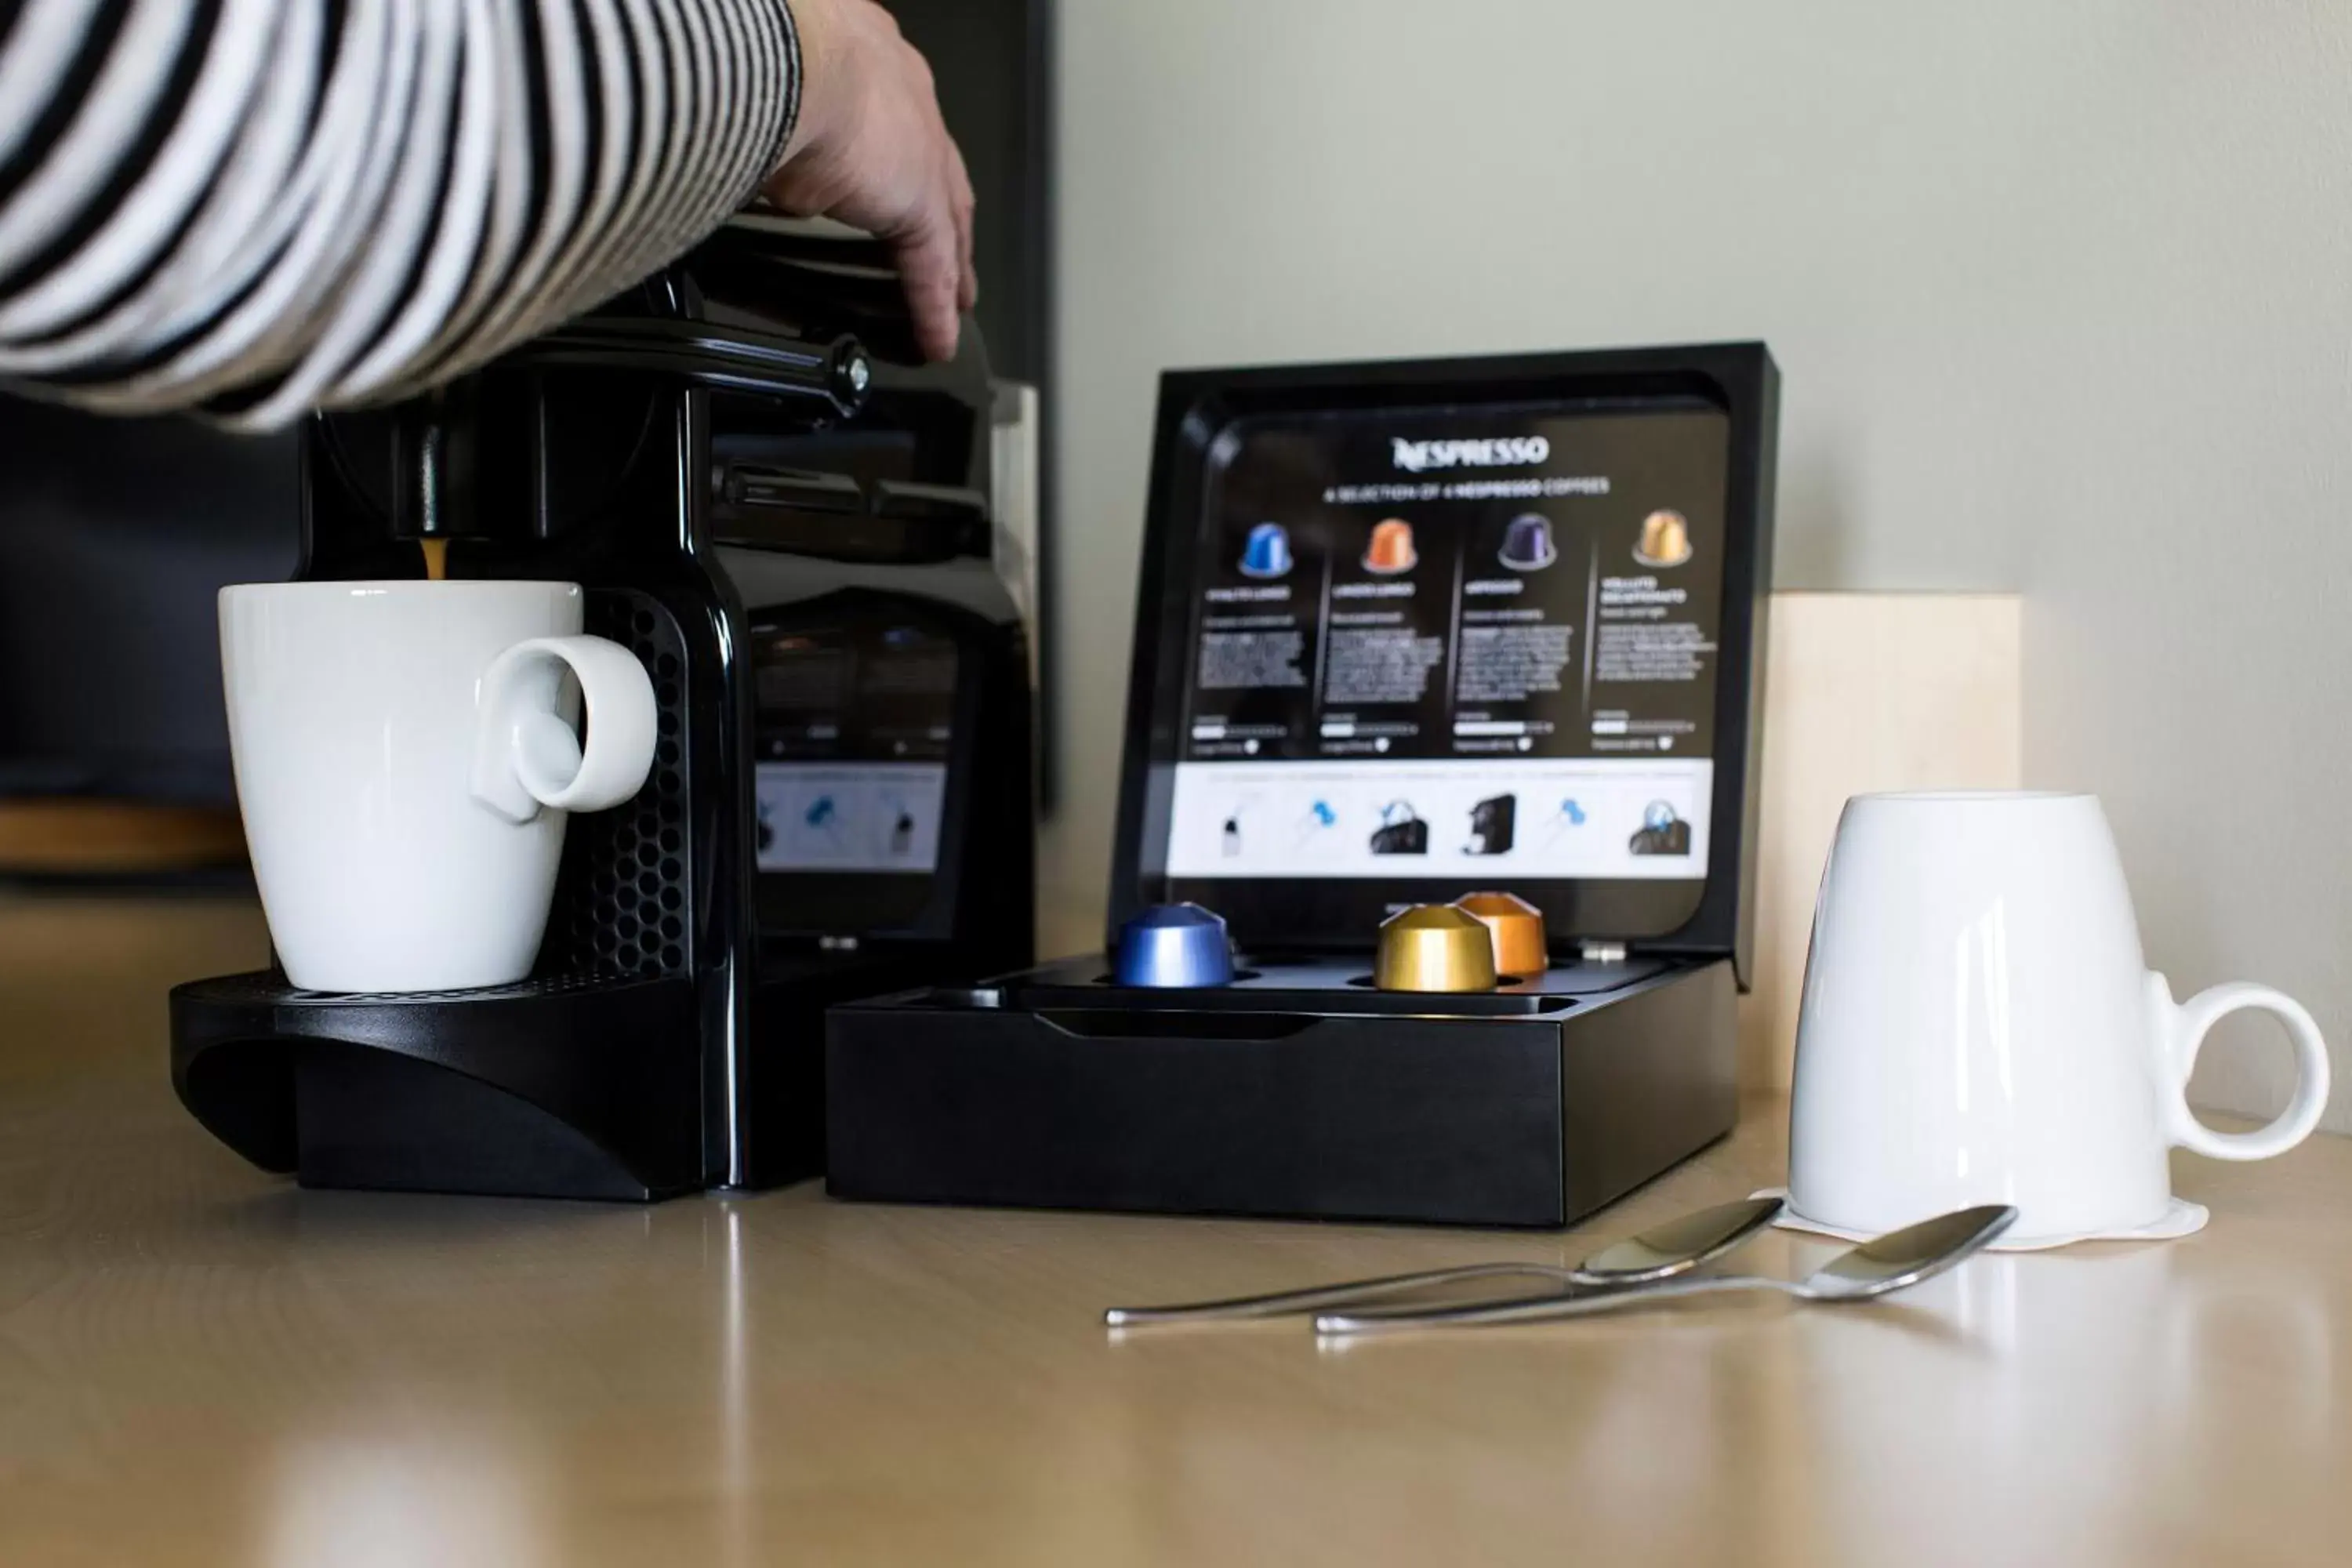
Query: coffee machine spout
(439, 450)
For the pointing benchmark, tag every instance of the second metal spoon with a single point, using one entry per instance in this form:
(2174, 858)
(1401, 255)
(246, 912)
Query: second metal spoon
(1895, 1261)
(1675, 1248)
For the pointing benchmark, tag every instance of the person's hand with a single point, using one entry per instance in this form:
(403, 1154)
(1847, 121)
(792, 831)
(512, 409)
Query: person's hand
(871, 150)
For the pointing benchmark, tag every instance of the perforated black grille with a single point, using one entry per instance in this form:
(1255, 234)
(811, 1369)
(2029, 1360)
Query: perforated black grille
(623, 895)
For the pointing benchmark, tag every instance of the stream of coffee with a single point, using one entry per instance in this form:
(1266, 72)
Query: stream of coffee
(437, 558)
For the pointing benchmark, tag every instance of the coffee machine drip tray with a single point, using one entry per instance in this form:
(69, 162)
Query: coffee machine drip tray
(581, 1081)
(565, 1087)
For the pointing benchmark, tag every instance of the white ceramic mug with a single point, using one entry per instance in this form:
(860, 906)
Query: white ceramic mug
(1979, 1027)
(405, 758)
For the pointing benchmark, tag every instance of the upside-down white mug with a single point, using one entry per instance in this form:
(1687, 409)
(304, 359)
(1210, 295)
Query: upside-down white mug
(1979, 1027)
(405, 758)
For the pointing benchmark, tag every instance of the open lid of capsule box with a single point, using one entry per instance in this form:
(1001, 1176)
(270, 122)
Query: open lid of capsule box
(1414, 629)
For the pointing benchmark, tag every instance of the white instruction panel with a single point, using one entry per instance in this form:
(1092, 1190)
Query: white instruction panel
(1534, 821)
(849, 816)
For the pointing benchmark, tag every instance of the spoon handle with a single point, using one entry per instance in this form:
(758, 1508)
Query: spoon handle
(1340, 1293)
(1542, 1309)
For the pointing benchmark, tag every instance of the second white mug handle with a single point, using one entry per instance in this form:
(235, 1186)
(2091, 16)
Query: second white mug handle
(2182, 1030)
(525, 754)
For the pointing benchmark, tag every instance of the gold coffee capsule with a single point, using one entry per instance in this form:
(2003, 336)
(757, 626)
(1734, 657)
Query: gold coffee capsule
(1434, 947)
(1665, 540)
(1518, 931)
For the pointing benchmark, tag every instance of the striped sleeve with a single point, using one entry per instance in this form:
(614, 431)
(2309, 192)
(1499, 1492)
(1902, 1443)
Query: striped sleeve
(254, 208)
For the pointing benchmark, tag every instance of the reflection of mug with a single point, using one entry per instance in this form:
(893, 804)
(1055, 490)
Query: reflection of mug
(1665, 540)
(404, 759)
(1979, 1027)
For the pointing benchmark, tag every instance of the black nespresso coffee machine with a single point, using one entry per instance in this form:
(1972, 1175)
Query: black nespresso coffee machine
(787, 516)
(1485, 634)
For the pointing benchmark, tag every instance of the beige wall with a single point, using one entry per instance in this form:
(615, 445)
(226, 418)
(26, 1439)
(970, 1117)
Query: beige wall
(1863, 691)
(2190, 574)
(2063, 294)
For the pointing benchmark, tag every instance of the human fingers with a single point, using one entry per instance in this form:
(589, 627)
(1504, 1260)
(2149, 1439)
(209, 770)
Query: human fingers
(963, 206)
(929, 272)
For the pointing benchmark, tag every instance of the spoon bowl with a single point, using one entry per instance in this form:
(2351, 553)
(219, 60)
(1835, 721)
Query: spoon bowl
(1880, 1267)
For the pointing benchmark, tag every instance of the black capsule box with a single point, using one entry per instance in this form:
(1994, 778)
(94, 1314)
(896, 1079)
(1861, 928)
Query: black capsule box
(1298, 1090)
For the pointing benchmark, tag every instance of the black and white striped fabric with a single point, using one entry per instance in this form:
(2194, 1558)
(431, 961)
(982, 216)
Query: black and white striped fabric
(258, 207)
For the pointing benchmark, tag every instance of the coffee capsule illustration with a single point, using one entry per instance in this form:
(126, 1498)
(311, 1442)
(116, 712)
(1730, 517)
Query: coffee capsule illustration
(1171, 946)
(1434, 947)
(1390, 550)
(1528, 544)
(1267, 554)
(1517, 926)
(1665, 540)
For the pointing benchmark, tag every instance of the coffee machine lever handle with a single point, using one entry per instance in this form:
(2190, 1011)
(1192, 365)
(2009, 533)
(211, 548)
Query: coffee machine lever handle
(837, 373)
(526, 756)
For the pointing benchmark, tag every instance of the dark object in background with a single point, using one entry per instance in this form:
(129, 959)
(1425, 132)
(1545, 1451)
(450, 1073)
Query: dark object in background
(788, 522)
(114, 536)
(994, 62)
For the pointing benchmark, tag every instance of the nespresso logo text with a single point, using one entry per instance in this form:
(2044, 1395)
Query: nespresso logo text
(1488, 452)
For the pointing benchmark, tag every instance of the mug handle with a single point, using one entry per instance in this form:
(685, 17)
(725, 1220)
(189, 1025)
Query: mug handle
(2180, 1030)
(525, 754)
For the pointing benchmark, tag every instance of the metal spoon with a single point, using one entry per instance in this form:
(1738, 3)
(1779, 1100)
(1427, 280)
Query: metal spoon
(1879, 1267)
(1675, 1248)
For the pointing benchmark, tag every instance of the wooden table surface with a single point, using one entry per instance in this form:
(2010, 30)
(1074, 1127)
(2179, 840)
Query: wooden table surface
(200, 1365)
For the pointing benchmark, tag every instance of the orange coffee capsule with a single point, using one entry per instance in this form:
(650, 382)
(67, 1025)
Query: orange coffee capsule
(1517, 928)
(1391, 548)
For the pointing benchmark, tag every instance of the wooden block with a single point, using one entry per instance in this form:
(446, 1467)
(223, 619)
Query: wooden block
(106, 837)
(1864, 692)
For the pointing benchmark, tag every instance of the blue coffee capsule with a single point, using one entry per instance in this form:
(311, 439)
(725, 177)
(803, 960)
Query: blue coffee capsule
(1526, 543)
(1267, 554)
(1174, 945)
